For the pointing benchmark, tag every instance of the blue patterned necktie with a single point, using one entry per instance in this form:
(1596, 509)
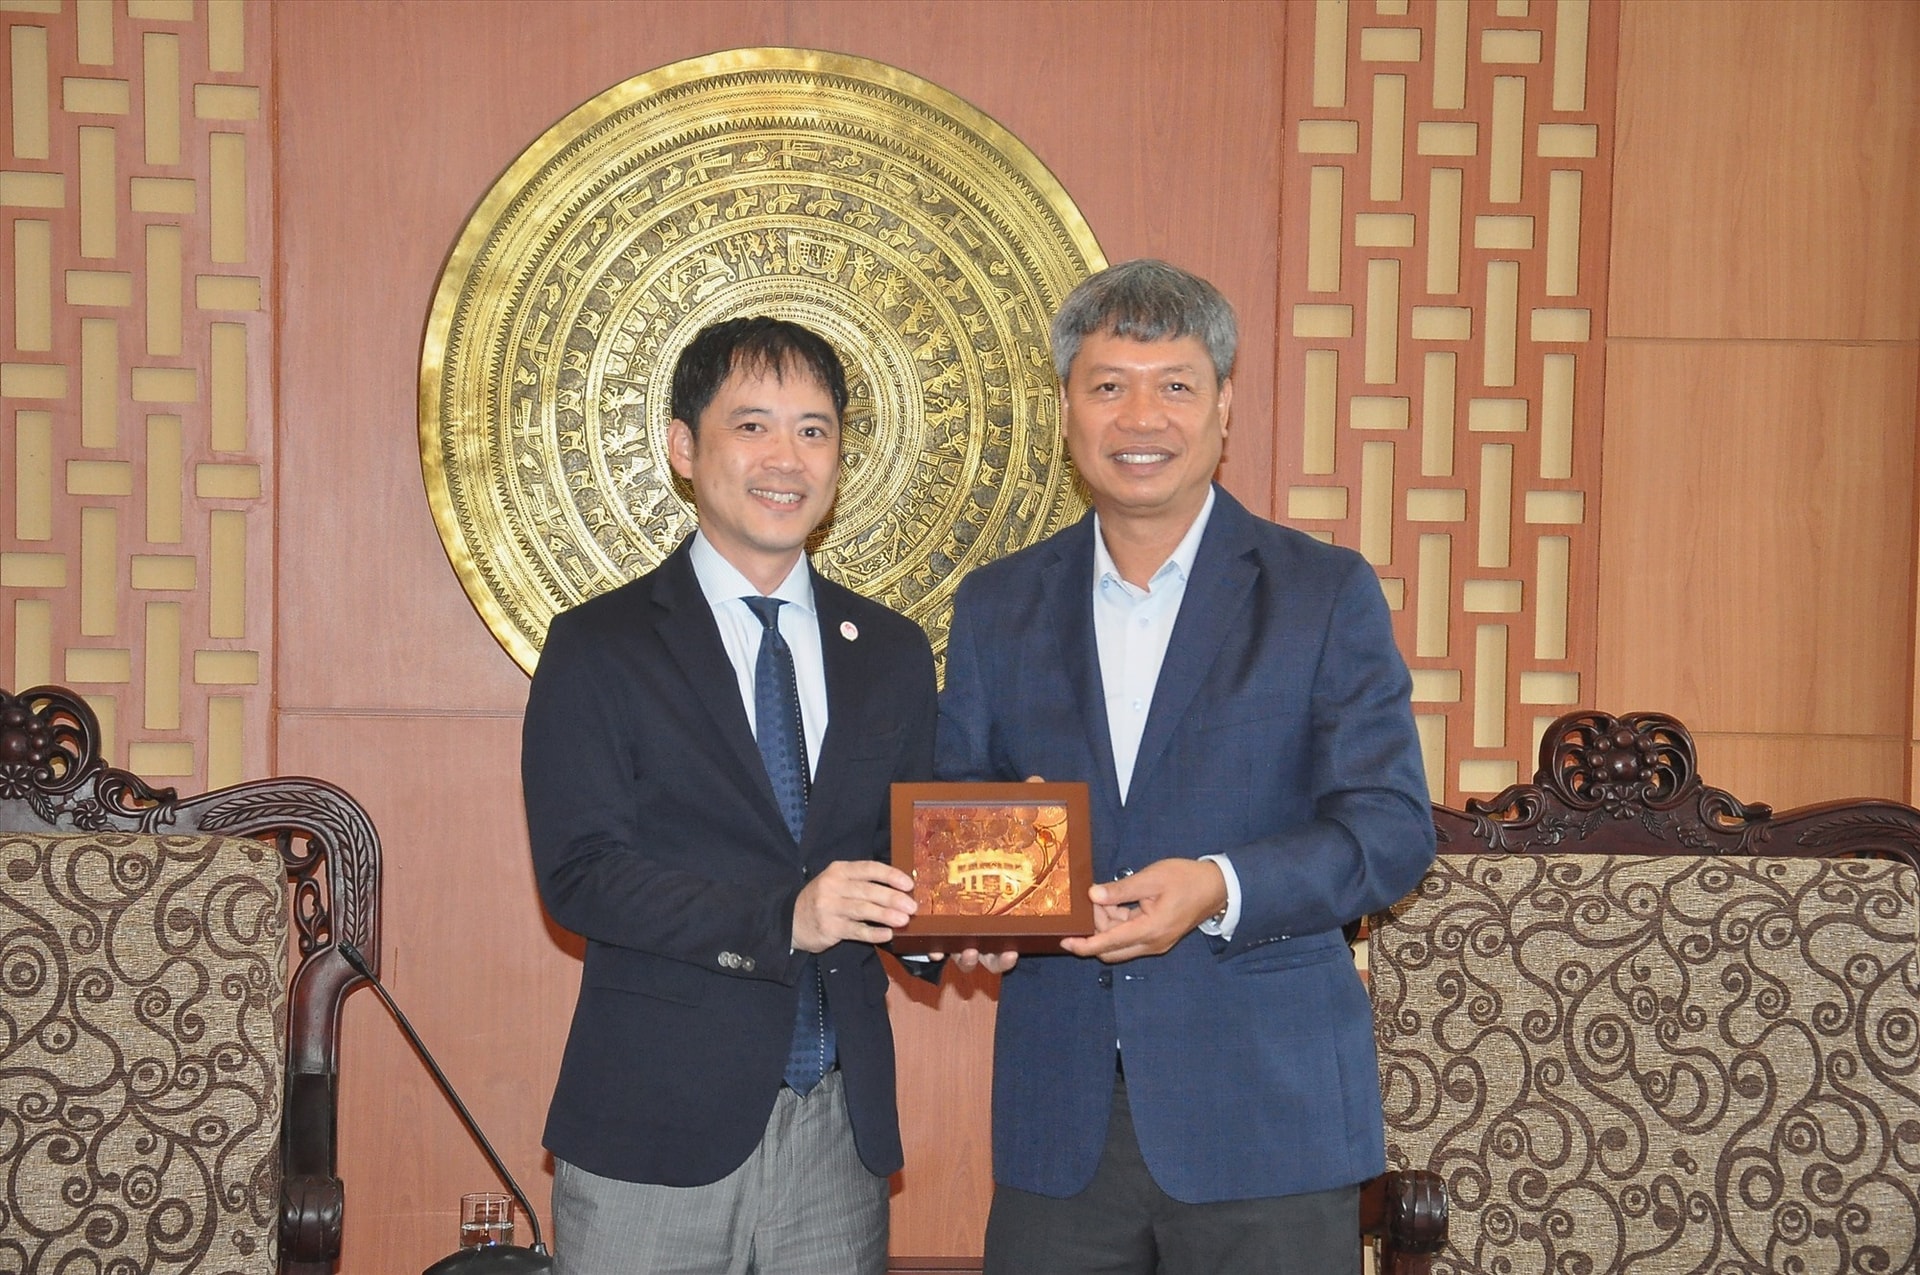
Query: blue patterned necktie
(783, 750)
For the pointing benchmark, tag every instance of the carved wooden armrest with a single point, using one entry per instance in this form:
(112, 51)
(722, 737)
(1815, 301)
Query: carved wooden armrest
(1407, 1209)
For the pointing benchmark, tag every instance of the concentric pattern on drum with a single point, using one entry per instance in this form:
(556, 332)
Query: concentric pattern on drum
(920, 238)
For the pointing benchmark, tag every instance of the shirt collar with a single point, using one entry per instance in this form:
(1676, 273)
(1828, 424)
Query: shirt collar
(721, 581)
(1180, 563)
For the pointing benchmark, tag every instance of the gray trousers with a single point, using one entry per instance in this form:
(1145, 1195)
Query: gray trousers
(802, 1204)
(1124, 1224)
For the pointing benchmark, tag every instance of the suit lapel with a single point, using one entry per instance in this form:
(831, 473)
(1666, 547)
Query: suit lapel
(687, 630)
(1217, 593)
(846, 695)
(1067, 595)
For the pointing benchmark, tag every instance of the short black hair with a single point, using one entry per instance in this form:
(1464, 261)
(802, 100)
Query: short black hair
(755, 344)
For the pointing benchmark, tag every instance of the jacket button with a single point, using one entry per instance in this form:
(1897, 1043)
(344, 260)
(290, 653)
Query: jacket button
(746, 963)
(729, 961)
(1106, 978)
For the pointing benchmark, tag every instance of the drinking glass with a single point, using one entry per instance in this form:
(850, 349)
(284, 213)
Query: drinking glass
(486, 1217)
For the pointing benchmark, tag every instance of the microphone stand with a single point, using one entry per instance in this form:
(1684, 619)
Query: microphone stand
(489, 1259)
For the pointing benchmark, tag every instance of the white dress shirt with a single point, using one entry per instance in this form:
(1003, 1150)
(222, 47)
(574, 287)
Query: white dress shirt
(1131, 629)
(741, 632)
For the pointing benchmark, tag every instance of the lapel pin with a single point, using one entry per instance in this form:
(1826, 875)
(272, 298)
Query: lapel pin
(849, 630)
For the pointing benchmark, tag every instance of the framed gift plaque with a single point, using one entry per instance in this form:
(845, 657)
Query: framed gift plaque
(1000, 867)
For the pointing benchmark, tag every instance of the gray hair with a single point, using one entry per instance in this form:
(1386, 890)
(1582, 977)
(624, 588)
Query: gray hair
(1146, 300)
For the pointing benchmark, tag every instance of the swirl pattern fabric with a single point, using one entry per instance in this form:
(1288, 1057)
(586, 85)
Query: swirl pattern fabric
(1646, 1065)
(142, 1037)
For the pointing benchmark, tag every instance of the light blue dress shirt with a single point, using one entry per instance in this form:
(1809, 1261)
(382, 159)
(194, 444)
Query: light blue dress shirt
(1131, 629)
(741, 631)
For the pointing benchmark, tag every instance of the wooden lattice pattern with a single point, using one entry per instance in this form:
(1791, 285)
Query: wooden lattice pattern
(1443, 276)
(135, 445)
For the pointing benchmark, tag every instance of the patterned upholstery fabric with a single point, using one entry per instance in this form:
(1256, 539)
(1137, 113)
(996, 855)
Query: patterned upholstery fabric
(142, 1032)
(1642, 1065)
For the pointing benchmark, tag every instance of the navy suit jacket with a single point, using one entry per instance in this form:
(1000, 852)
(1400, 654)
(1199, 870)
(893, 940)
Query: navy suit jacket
(657, 838)
(1279, 734)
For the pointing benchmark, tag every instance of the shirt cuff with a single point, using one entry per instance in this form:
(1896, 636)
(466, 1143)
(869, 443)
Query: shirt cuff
(1224, 930)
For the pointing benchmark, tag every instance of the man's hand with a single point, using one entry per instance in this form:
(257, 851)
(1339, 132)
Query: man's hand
(860, 899)
(992, 962)
(1150, 911)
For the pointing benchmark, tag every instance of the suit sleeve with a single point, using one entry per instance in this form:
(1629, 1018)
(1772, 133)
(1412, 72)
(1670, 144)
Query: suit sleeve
(1371, 836)
(577, 764)
(915, 767)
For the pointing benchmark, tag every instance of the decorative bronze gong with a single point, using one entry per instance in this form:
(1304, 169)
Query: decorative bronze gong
(909, 229)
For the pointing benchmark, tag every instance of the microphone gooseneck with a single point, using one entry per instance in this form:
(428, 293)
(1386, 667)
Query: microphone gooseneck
(353, 957)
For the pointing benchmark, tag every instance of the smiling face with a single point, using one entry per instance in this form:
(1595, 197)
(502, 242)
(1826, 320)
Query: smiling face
(763, 465)
(1145, 421)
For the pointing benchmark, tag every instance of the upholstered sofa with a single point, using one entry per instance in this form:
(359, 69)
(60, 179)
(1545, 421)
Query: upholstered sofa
(1639, 1027)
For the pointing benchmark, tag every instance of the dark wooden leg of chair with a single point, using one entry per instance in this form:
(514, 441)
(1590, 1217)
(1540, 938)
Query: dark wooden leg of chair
(312, 1198)
(1407, 1211)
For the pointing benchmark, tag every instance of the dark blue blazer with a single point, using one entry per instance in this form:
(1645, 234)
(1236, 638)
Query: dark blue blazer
(1280, 734)
(656, 837)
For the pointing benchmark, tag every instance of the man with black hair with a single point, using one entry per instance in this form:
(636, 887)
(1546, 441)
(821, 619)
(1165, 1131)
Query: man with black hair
(706, 757)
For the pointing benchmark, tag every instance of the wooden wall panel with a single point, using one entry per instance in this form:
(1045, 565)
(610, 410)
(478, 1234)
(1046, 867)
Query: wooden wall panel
(467, 953)
(1757, 548)
(1755, 536)
(1767, 180)
(943, 1045)
(1443, 302)
(136, 440)
(1164, 128)
(394, 121)
(1798, 770)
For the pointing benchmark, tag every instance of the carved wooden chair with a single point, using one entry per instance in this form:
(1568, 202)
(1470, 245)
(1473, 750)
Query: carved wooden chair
(1403, 1214)
(167, 1067)
(1638, 1026)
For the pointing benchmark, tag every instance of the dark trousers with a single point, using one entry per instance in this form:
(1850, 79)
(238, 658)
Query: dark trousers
(1124, 1224)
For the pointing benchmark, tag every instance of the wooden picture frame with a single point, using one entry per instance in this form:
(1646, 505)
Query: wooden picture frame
(996, 866)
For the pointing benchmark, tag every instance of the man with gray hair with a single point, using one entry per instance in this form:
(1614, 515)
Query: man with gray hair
(1192, 1090)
